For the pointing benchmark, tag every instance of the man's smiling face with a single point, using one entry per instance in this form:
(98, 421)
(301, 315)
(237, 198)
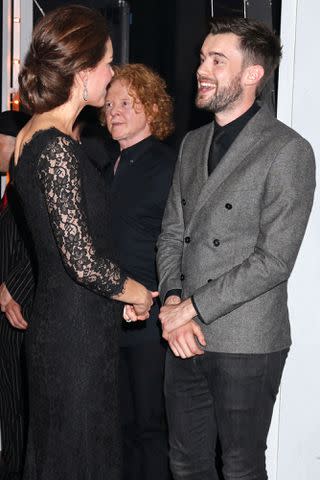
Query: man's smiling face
(220, 73)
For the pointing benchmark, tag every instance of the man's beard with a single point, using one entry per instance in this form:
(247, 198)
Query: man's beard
(223, 98)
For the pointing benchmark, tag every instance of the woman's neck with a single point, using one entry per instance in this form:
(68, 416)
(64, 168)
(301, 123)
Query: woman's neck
(62, 118)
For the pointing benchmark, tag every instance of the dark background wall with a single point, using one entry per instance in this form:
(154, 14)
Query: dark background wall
(167, 35)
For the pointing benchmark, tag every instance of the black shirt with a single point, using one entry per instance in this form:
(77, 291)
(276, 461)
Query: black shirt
(139, 192)
(224, 136)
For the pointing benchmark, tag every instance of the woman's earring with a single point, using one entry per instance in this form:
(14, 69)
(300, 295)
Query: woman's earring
(85, 93)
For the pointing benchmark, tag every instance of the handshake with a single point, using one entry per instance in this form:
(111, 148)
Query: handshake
(137, 299)
(182, 333)
(139, 311)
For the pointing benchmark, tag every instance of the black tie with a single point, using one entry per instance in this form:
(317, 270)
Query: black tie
(216, 151)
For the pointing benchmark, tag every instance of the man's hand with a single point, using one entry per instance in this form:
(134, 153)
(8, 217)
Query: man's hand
(173, 316)
(183, 343)
(12, 309)
(172, 300)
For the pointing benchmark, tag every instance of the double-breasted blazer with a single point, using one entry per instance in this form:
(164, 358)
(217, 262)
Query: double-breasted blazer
(230, 240)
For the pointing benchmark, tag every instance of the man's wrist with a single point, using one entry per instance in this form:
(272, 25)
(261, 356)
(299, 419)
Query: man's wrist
(189, 309)
(173, 300)
(196, 309)
(174, 292)
(5, 296)
(2, 288)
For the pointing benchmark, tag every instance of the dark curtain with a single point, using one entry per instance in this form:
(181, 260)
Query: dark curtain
(167, 35)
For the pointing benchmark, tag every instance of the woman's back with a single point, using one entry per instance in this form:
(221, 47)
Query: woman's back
(72, 368)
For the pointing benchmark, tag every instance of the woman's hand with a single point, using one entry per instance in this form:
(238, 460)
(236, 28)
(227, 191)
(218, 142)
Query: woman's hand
(143, 307)
(140, 311)
(130, 315)
(138, 298)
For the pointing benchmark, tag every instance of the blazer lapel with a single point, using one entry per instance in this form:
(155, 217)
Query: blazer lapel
(247, 139)
(199, 149)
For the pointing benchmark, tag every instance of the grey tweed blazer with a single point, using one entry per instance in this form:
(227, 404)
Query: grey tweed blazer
(231, 240)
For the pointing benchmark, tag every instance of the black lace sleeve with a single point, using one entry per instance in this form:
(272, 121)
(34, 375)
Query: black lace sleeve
(59, 175)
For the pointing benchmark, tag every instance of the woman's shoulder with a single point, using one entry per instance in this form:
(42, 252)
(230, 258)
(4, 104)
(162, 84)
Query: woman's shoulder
(43, 140)
(56, 149)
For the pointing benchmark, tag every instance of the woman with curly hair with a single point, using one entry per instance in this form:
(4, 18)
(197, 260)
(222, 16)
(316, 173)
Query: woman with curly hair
(138, 114)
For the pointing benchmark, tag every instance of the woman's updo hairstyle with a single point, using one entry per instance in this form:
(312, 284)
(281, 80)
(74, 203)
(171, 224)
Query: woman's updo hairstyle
(64, 42)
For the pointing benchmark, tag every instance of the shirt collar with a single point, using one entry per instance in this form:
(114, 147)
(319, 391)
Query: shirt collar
(133, 153)
(237, 125)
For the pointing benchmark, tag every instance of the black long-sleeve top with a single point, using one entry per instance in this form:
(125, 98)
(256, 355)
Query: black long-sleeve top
(139, 192)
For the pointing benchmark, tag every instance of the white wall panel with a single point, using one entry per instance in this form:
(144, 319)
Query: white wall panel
(296, 424)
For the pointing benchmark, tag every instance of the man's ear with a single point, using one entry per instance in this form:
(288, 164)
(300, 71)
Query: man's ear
(253, 75)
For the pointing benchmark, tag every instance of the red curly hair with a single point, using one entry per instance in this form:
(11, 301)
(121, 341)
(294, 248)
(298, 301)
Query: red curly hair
(148, 88)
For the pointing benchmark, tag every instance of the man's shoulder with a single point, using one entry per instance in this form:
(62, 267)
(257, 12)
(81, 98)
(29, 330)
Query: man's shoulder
(161, 154)
(277, 131)
(200, 132)
(196, 140)
(163, 148)
(290, 133)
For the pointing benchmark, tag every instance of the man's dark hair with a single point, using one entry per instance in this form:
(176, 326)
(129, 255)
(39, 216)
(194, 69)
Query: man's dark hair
(260, 46)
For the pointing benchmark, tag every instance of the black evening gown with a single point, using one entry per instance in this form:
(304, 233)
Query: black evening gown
(71, 343)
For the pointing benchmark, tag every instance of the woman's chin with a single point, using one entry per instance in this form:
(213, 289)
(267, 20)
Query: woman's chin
(96, 103)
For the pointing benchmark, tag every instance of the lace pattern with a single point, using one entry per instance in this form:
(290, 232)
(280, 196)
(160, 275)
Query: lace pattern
(59, 175)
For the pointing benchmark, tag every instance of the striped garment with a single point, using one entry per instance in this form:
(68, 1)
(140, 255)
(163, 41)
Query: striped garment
(16, 272)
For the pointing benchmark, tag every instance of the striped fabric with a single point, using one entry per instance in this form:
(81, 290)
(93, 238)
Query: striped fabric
(11, 246)
(16, 272)
(12, 417)
(15, 266)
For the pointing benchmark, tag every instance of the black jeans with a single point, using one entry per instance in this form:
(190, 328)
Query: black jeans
(144, 426)
(225, 396)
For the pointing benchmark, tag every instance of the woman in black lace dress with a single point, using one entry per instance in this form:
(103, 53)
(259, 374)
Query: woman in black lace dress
(71, 342)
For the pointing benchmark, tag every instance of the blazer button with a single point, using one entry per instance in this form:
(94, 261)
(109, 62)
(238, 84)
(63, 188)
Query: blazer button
(228, 206)
(182, 277)
(183, 202)
(216, 242)
(187, 239)
(210, 280)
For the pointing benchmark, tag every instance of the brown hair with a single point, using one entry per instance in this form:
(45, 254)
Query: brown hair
(260, 46)
(147, 87)
(64, 42)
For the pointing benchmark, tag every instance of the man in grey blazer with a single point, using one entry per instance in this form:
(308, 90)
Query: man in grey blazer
(234, 222)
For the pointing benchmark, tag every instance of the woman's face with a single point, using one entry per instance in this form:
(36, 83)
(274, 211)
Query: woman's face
(99, 78)
(126, 118)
